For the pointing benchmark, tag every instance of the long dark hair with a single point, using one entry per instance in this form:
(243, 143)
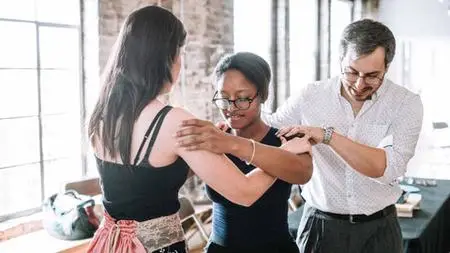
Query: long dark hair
(138, 68)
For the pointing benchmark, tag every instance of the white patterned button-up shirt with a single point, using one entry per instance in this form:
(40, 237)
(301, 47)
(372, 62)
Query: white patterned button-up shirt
(391, 120)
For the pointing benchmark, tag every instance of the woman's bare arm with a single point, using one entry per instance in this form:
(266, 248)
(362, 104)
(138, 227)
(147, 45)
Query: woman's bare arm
(291, 163)
(220, 173)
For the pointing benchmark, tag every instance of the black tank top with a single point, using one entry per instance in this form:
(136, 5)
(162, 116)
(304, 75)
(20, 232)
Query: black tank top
(140, 191)
(263, 223)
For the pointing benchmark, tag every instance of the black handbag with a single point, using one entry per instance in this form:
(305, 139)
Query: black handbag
(70, 216)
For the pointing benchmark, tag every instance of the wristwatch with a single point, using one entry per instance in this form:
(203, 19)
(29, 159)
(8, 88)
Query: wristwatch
(327, 133)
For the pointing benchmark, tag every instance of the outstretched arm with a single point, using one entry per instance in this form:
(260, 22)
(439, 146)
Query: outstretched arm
(220, 173)
(291, 163)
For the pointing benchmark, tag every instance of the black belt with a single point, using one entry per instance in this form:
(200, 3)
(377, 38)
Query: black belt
(357, 218)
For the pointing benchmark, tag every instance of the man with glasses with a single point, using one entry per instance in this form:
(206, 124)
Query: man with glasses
(366, 128)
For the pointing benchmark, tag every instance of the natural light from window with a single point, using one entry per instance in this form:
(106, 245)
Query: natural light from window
(40, 124)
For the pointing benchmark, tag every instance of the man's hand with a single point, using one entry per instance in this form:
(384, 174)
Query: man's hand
(297, 145)
(315, 133)
(196, 134)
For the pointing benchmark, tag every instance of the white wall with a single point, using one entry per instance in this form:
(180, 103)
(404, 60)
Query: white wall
(303, 43)
(252, 22)
(422, 30)
(252, 32)
(416, 18)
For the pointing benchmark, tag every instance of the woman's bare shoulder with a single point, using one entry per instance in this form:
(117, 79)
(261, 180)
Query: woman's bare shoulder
(174, 119)
(178, 114)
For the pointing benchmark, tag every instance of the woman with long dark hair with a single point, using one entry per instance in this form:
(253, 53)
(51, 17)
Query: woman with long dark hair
(140, 161)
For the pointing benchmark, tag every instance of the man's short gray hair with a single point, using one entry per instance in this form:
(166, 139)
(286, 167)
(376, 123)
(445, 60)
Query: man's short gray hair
(366, 35)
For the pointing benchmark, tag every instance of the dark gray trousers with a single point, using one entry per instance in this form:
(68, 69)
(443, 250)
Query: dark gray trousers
(318, 233)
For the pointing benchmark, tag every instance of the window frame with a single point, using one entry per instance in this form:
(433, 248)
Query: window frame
(40, 115)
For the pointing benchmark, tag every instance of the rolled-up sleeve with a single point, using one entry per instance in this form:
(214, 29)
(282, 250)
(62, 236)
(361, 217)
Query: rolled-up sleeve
(286, 115)
(405, 131)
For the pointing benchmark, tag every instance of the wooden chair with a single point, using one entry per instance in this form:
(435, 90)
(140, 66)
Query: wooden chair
(187, 213)
(89, 186)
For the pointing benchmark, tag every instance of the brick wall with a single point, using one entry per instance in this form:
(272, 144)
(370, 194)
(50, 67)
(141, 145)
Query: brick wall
(111, 16)
(210, 35)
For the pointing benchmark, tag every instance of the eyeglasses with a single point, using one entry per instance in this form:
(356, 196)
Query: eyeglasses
(352, 77)
(240, 103)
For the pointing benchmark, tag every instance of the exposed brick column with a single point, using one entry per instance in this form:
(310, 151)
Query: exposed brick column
(112, 13)
(210, 35)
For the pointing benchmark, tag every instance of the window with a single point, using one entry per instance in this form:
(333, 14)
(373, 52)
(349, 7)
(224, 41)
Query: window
(303, 44)
(341, 16)
(40, 119)
(421, 65)
(254, 34)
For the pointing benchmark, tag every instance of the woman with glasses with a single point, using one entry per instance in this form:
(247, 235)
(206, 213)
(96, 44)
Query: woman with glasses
(242, 82)
(141, 166)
